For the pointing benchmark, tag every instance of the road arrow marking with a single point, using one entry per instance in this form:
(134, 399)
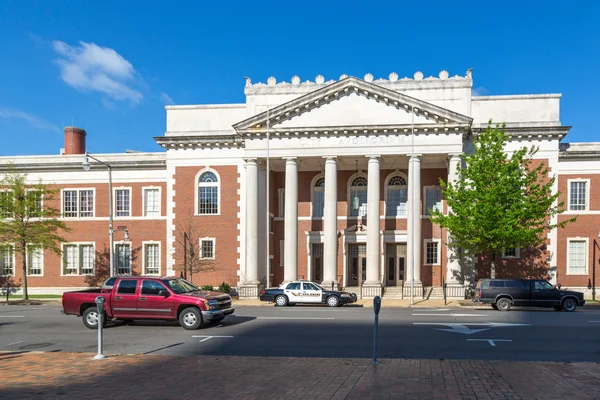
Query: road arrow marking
(209, 337)
(490, 341)
(465, 330)
(462, 327)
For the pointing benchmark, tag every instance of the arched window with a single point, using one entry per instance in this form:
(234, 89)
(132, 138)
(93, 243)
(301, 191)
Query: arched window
(358, 196)
(318, 204)
(396, 196)
(208, 193)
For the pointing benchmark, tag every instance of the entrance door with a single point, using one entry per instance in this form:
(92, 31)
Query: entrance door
(395, 264)
(357, 264)
(317, 262)
(125, 301)
(151, 304)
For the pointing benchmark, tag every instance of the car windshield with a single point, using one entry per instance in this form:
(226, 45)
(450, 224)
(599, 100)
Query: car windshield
(180, 286)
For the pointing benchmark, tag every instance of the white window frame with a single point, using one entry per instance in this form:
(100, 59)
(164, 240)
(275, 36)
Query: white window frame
(349, 195)
(197, 191)
(80, 261)
(439, 251)
(78, 190)
(281, 202)
(425, 189)
(144, 188)
(517, 253)
(14, 260)
(587, 195)
(144, 245)
(41, 200)
(29, 261)
(586, 256)
(386, 194)
(115, 201)
(116, 259)
(4, 191)
(281, 253)
(214, 247)
(313, 190)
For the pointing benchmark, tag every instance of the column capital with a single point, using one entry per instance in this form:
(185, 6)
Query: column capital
(374, 157)
(328, 158)
(453, 156)
(290, 160)
(415, 157)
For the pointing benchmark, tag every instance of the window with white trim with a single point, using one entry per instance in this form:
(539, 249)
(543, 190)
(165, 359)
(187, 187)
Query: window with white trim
(207, 249)
(208, 193)
(432, 252)
(123, 258)
(578, 195)
(78, 259)
(397, 197)
(280, 202)
(512, 252)
(34, 260)
(577, 257)
(34, 197)
(151, 259)
(151, 202)
(122, 202)
(77, 203)
(7, 260)
(433, 199)
(5, 203)
(358, 190)
(318, 206)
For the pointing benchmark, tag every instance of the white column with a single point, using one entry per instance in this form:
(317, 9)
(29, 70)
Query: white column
(453, 267)
(330, 223)
(290, 234)
(251, 222)
(414, 209)
(409, 227)
(262, 222)
(373, 189)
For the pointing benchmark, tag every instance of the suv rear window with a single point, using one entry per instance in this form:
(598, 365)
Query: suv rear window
(496, 284)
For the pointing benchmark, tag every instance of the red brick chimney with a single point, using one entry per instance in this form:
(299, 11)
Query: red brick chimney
(74, 140)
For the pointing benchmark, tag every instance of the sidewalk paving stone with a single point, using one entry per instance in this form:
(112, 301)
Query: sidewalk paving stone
(39, 375)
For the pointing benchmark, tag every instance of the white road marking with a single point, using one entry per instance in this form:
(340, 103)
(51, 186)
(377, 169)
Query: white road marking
(464, 329)
(300, 318)
(431, 309)
(593, 321)
(12, 316)
(490, 341)
(311, 310)
(451, 315)
(209, 337)
(13, 343)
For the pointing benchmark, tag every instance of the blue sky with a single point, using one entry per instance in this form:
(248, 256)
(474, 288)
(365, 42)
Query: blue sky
(111, 66)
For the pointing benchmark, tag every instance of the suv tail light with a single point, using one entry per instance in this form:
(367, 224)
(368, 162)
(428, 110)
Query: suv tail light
(262, 292)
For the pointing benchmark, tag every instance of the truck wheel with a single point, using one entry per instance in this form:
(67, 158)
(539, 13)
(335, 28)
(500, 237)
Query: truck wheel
(333, 301)
(90, 318)
(281, 301)
(503, 304)
(190, 318)
(569, 305)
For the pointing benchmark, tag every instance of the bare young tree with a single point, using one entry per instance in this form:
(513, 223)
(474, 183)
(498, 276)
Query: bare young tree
(188, 234)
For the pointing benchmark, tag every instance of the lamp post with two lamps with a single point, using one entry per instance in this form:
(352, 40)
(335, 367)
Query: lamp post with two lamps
(86, 167)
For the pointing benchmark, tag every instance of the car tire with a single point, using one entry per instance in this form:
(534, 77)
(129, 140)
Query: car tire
(90, 318)
(190, 318)
(333, 301)
(569, 305)
(281, 300)
(503, 304)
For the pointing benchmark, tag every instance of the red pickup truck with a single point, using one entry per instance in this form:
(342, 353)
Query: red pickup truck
(141, 297)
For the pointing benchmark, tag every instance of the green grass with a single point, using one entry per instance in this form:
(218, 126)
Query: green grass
(31, 296)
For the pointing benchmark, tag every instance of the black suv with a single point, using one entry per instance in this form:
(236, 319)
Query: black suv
(502, 294)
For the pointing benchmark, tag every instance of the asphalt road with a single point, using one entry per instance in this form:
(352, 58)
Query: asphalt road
(313, 331)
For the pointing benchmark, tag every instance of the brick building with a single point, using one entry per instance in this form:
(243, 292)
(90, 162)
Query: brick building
(327, 180)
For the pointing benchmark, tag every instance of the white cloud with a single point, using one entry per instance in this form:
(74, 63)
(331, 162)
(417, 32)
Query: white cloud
(165, 98)
(480, 91)
(29, 119)
(89, 67)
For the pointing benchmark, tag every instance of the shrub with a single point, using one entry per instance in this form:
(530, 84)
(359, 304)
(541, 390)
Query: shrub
(224, 287)
(207, 287)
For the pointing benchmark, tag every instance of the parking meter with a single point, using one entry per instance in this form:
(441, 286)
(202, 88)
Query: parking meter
(376, 309)
(377, 304)
(100, 304)
(100, 307)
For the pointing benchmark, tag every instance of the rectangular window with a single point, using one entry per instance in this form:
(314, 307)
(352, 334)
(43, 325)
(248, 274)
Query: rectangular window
(78, 203)
(208, 200)
(207, 249)
(151, 259)
(122, 200)
(432, 253)
(577, 199)
(151, 202)
(513, 252)
(123, 256)
(5, 203)
(361, 210)
(7, 262)
(396, 203)
(281, 202)
(319, 202)
(34, 200)
(78, 259)
(433, 200)
(577, 257)
(34, 260)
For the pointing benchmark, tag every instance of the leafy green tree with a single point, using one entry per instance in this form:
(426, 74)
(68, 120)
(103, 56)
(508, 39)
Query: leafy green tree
(27, 221)
(499, 201)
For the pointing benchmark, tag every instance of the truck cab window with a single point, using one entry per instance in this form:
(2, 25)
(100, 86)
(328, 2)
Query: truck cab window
(151, 288)
(127, 287)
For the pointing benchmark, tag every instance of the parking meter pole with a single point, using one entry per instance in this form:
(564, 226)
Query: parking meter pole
(376, 308)
(444, 293)
(100, 306)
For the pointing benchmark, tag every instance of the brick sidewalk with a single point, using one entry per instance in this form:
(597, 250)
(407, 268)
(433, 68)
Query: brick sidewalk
(77, 376)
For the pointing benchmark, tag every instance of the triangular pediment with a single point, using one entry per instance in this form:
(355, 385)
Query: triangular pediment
(352, 102)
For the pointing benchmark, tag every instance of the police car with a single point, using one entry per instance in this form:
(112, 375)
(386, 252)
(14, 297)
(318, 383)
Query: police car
(305, 292)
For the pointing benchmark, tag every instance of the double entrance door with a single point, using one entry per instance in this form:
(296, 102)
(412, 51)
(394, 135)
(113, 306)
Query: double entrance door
(357, 264)
(395, 264)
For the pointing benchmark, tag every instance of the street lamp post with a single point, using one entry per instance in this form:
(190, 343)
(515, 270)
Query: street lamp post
(594, 269)
(86, 167)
